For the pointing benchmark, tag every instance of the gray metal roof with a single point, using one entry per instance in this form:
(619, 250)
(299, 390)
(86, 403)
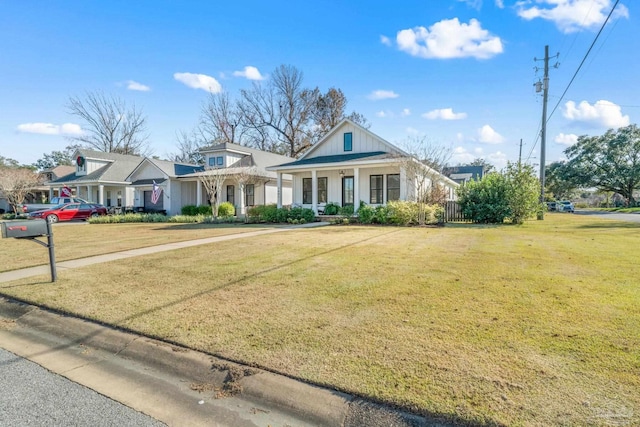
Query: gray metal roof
(173, 169)
(339, 158)
(261, 159)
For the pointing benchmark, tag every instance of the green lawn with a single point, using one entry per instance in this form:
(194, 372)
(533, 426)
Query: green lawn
(491, 325)
(79, 240)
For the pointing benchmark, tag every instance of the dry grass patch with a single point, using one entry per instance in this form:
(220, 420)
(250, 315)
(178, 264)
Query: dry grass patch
(530, 325)
(79, 240)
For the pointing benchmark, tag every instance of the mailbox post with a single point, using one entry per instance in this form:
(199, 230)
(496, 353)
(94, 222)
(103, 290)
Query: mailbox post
(29, 230)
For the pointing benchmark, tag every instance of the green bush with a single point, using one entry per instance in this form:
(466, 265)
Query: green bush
(266, 213)
(189, 210)
(485, 201)
(204, 210)
(331, 208)
(301, 213)
(381, 215)
(366, 213)
(346, 210)
(402, 213)
(226, 209)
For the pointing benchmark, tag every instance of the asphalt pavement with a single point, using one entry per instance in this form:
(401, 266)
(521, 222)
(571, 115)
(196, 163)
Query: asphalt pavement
(31, 396)
(615, 216)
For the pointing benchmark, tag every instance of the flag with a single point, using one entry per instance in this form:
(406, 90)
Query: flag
(65, 192)
(155, 194)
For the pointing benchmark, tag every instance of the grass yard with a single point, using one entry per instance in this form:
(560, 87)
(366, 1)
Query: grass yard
(485, 325)
(79, 240)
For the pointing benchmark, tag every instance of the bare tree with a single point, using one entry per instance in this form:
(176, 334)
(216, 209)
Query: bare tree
(221, 118)
(16, 183)
(330, 110)
(189, 145)
(213, 181)
(109, 124)
(282, 107)
(423, 167)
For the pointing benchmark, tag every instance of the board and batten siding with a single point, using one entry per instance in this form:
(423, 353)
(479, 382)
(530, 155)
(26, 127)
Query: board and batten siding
(363, 142)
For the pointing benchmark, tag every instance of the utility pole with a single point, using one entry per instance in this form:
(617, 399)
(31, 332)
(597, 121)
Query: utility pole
(543, 136)
(520, 154)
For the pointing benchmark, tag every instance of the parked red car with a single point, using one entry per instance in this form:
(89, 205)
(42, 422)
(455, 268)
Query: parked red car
(69, 212)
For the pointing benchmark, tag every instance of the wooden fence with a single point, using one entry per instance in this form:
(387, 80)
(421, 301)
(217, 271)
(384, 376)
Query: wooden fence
(453, 213)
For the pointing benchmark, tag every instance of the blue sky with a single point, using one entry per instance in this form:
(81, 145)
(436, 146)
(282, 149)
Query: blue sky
(459, 72)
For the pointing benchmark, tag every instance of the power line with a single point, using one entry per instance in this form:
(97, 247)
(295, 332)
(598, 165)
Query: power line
(583, 59)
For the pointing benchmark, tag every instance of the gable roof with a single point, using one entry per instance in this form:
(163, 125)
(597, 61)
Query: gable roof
(259, 158)
(339, 158)
(117, 169)
(392, 148)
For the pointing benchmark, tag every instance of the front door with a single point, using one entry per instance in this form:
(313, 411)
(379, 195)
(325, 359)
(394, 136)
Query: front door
(347, 191)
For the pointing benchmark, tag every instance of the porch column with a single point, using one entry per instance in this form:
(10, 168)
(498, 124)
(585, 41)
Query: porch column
(101, 194)
(314, 191)
(50, 194)
(279, 185)
(403, 184)
(356, 189)
(198, 193)
(77, 191)
(242, 197)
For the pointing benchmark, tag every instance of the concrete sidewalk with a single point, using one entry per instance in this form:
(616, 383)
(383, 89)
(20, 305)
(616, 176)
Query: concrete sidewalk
(159, 378)
(23, 273)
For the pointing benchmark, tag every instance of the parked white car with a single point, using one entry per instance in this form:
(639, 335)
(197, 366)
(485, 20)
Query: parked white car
(565, 206)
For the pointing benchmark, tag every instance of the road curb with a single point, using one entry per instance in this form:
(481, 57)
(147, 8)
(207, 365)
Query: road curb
(325, 406)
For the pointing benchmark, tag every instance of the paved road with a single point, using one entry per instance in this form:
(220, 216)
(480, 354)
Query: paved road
(32, 396)
(629, 217)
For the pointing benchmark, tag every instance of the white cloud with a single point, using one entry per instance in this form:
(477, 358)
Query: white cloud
(500, 4)
(571, 15)
(449, 39)
(489, 136)
(133, 85)
(50, 128)
(250, 73)
(382, 94)
(199, 81)
(385, 40)
(461, 155)
(405, 112)
(412, 131)
(444, 114)
(498, 159)
(381, 114)
(475, 4)
(566, 139)
(603, 113)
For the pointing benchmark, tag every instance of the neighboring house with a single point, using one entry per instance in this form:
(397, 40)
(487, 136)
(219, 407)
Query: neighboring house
(44, 193)
(351, 164)
(127, 182)
(248, 182)
(462, 174)
(175, 193)
(100, 177)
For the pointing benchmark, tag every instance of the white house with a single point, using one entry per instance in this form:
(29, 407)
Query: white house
(351, 164)
(234, 162)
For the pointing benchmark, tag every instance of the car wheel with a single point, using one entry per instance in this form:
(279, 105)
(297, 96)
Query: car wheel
(52, 219)
(94, 215)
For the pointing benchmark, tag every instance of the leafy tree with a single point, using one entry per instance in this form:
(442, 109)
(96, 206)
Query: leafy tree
(498, 196)
(523, 192)
(558, 182)
(8, 162)
(609, 162)
(16, 183)
(485, 201)
(56, 158)
(109, 124)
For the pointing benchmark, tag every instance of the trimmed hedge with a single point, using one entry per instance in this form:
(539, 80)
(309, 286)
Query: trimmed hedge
(271, 213)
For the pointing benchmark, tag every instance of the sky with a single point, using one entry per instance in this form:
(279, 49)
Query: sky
(460, 74)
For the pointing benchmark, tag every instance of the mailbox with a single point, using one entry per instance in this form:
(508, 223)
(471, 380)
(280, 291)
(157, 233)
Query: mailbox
(24, 229)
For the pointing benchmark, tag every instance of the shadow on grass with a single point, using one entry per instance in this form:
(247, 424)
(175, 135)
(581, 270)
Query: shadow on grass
(600, 225)
(431, 417)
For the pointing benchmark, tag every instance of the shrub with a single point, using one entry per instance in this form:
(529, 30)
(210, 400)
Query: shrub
(331, 208)
(486, 200)
(189, 210)
(204, 210)
(381, 215)
(301, 213)
(366, 213)
(402, 213)
(266, 213)
(346, 210)
(226, 209)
